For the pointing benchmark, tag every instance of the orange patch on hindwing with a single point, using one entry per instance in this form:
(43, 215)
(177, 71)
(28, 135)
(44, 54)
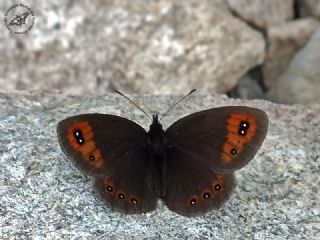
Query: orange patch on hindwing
(111, 190)
(80, 135)
(240, 129)
(212, 192)
(217, 185)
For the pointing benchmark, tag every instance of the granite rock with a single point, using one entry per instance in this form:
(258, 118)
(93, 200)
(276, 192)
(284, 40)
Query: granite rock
(43, 196)
(248, 87)
(160, 46)
(300, 83)
(261, 13)
(309, 8)
(283, 41)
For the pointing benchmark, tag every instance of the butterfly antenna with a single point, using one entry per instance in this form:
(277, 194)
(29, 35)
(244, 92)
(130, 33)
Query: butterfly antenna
(120, 93)
(192, 91)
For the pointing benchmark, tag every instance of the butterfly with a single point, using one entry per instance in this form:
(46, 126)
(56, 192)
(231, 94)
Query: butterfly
(19, 19)
(189, 166)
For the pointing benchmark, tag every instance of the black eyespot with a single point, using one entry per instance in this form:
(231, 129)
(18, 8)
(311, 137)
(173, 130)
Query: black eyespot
(217, 187)
(193, 201)
(242, 132)
(134, 201)
(78, 136)
(121, 196)
(91, 158)
(233, 151)
(206, 195)
(244, 124)
(109, 188)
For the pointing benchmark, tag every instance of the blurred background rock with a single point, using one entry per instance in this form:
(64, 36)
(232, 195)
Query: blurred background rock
(267, 49)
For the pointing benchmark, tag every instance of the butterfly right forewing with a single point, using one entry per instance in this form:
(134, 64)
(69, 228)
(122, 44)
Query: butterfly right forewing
(214, 137)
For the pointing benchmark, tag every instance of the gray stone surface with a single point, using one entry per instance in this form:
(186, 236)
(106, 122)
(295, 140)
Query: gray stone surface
(160, 46)
(300, 83)
(247, 88)
(262, 13)
(309, 8)
(44, 197)
(283, 41)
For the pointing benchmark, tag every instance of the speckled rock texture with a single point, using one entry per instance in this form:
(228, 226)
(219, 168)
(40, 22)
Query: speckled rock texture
(43, 196)
(309, 8)
(261, 13)
(300, 83)
(152, 47)
(284, 41)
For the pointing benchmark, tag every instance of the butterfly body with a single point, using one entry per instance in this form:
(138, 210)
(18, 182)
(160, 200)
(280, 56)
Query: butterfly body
(156, 137)
(158, 147)
(189, 166)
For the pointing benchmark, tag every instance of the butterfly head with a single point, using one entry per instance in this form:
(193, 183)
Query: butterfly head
(155, 121)
(155, 127)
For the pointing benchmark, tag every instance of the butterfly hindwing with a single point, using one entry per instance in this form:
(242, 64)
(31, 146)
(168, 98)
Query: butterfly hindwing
(203, 150)
(114, 150)
(192, 188)
(130, 189)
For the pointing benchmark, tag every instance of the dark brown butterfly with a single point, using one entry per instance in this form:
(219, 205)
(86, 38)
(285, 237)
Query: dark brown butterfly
(189, 166)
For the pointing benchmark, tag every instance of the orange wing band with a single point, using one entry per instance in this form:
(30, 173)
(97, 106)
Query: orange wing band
(87, 147)
(241, 128)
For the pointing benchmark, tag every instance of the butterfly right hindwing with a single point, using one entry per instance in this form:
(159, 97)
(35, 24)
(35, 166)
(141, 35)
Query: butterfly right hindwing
(203, 150)
(192, 188)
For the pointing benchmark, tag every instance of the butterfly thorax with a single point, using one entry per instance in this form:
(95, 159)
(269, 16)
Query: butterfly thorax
(156, 136)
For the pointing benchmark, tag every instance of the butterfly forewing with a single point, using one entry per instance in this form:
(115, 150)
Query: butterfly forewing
(224, 139)
(114, 150)
(98, 143)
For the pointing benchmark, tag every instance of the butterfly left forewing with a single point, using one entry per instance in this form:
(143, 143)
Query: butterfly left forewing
(113, 150)
(98, 144)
